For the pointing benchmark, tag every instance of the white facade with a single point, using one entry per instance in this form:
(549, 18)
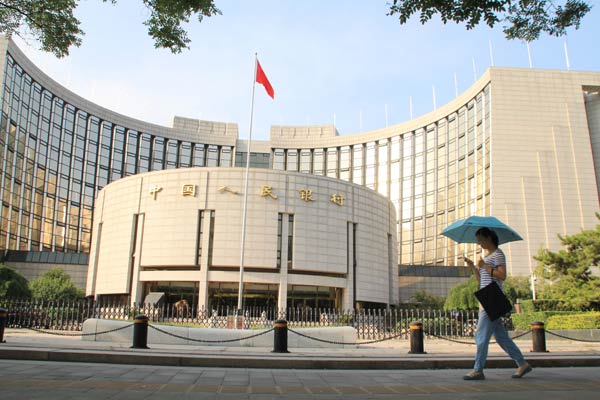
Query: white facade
(146, 229)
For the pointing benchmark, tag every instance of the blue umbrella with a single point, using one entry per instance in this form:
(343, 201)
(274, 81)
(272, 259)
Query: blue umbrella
(463, 230)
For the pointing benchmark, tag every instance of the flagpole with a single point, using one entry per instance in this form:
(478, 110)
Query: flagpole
(241, 283)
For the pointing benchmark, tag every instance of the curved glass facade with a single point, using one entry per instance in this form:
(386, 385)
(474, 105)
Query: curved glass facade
(434, 175)
(55, 156)
(57, 150)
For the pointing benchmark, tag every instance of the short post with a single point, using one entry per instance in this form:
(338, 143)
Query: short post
(280, 336)
(416, 338)
(140, 332)
(3, 318)
(538, 336)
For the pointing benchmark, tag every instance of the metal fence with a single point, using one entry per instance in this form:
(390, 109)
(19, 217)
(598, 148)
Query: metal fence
(369, 323)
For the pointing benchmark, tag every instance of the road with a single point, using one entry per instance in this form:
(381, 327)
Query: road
(63, 380)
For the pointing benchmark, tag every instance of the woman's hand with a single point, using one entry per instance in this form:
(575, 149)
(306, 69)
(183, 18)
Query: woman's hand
(481, 263)
(470, 263)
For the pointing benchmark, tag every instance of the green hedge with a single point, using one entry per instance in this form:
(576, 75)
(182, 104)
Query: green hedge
(589, 320)
(557, 320)
(522, 322)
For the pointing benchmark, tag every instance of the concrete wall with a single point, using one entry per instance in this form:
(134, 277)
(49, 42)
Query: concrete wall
(439, 286)
(211, 336)
(164, 242)
(31, 271)
(543, 177)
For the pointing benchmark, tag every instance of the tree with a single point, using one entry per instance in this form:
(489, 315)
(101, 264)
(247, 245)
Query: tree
(526, 19)
(12, 283)
(427, 300)
(462, 297)
(52, 23)
(517, 287)
(55, 284)
(567, 278)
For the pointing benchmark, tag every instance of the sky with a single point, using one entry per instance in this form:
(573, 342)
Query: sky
(342, 62)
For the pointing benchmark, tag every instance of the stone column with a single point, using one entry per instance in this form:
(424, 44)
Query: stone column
(203, 261)
(348, 300)
(283, 272)
(136, 285)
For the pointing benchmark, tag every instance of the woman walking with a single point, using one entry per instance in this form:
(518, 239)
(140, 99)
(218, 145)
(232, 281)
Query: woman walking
(492, 267)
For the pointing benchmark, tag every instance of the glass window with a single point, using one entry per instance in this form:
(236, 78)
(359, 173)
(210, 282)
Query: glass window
(371, 165)
(185, 155)
(430, 160)
(225, 160)
(292, 160)
(430, 137)
(102, 177)
(357, 164)
(345, 156)
(105, 145)
(158, 154)
(319, 161)
(418, 252)
(305, 161)
(442, 132)
(212, 156)
(441, 156)
(279, 159)
(119, 139)
(396, 149)
(172, 154)
(199, 155)
(430, 203)
(382, 170)
(418, 206)
(132, 156)
(332, 162)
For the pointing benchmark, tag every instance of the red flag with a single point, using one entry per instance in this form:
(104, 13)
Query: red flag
(262, 79)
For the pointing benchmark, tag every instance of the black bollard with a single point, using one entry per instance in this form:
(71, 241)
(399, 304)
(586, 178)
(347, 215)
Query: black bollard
(3, 318)
(416, 338)
(538, 336)
(280, 336)
(140, 332)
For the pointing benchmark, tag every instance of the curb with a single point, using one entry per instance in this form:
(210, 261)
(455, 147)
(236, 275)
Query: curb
(287, 361)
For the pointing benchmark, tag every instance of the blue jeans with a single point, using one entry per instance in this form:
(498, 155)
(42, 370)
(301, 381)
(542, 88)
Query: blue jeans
(485, 330)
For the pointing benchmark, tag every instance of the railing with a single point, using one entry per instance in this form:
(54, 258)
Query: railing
(369, 323)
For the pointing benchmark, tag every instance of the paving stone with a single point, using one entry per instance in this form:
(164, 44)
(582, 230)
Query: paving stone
(322, 390)
(293, 389)
(264, 389)
(205, 388)
(234, 389)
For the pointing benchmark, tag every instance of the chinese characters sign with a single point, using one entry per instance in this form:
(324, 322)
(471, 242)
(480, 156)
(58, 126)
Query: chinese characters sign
(267, 191)
(305, 194)
(189, 190)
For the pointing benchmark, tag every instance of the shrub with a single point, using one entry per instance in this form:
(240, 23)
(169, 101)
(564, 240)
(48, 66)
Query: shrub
(589, 320)
(462, 297)
(55, 284)
(527, 306)
(522, 322)
(12, 283)
(425, 299)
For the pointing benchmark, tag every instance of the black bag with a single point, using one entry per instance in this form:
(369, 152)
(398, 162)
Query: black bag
(494, 301)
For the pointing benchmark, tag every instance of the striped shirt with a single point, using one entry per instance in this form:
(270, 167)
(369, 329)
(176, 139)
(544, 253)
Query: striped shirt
(493, 260)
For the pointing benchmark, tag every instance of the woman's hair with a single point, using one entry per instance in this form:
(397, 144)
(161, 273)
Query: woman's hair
(489, 234)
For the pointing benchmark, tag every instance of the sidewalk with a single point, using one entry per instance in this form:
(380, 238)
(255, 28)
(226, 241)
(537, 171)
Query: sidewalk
(25, 344)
